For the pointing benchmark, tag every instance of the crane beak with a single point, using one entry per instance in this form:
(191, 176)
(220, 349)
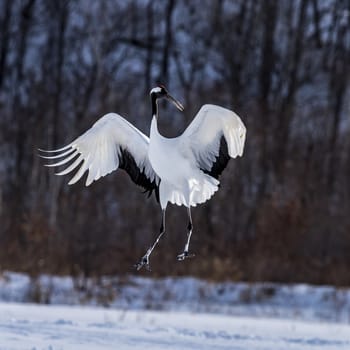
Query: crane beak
(177, 104)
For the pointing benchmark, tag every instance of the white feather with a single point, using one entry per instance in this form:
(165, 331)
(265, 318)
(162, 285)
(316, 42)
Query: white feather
(98, 149)
(202, 137)
(72, 166)
(63, 161)
(58, 155)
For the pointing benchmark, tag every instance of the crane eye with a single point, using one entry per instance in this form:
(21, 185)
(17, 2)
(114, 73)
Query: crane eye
(163, 89)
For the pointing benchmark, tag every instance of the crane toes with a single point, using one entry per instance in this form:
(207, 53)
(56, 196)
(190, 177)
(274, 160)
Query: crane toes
(184, 256)
(144, 262)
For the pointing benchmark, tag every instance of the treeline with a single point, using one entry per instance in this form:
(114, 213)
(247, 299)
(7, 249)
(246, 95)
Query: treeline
(282, 213)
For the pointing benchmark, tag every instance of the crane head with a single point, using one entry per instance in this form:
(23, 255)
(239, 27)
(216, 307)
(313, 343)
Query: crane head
(161, 92)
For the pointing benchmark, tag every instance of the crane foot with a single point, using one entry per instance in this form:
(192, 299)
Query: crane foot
(144, 262)
(184, 256)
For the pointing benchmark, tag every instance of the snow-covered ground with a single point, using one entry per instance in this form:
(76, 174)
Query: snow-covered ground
(302, 302)
(43, 327)
(169, 313)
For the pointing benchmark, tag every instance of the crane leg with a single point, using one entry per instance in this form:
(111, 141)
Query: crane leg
(185, 254)
(145, 259)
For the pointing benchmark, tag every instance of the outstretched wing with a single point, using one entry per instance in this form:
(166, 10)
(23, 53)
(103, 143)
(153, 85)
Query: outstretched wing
(215, 135)
(111, 143)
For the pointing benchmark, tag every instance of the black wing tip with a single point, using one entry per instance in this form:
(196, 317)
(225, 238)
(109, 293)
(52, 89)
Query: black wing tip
(137, 175)
(221, 161)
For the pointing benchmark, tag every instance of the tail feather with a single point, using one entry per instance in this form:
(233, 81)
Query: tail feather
(198, 191)
(203, 190)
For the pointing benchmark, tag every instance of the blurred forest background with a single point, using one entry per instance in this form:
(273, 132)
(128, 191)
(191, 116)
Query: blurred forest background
(283, 211)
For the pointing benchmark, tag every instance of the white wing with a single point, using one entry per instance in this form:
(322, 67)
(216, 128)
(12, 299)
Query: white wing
(110, 143)
(215, 135)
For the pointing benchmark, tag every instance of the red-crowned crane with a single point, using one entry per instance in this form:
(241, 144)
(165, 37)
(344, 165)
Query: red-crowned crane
(183, 170)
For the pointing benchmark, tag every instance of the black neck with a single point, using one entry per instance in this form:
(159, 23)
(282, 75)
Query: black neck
(154, 105)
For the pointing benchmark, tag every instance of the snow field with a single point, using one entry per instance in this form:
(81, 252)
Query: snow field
(43, 327)
(300, 301)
